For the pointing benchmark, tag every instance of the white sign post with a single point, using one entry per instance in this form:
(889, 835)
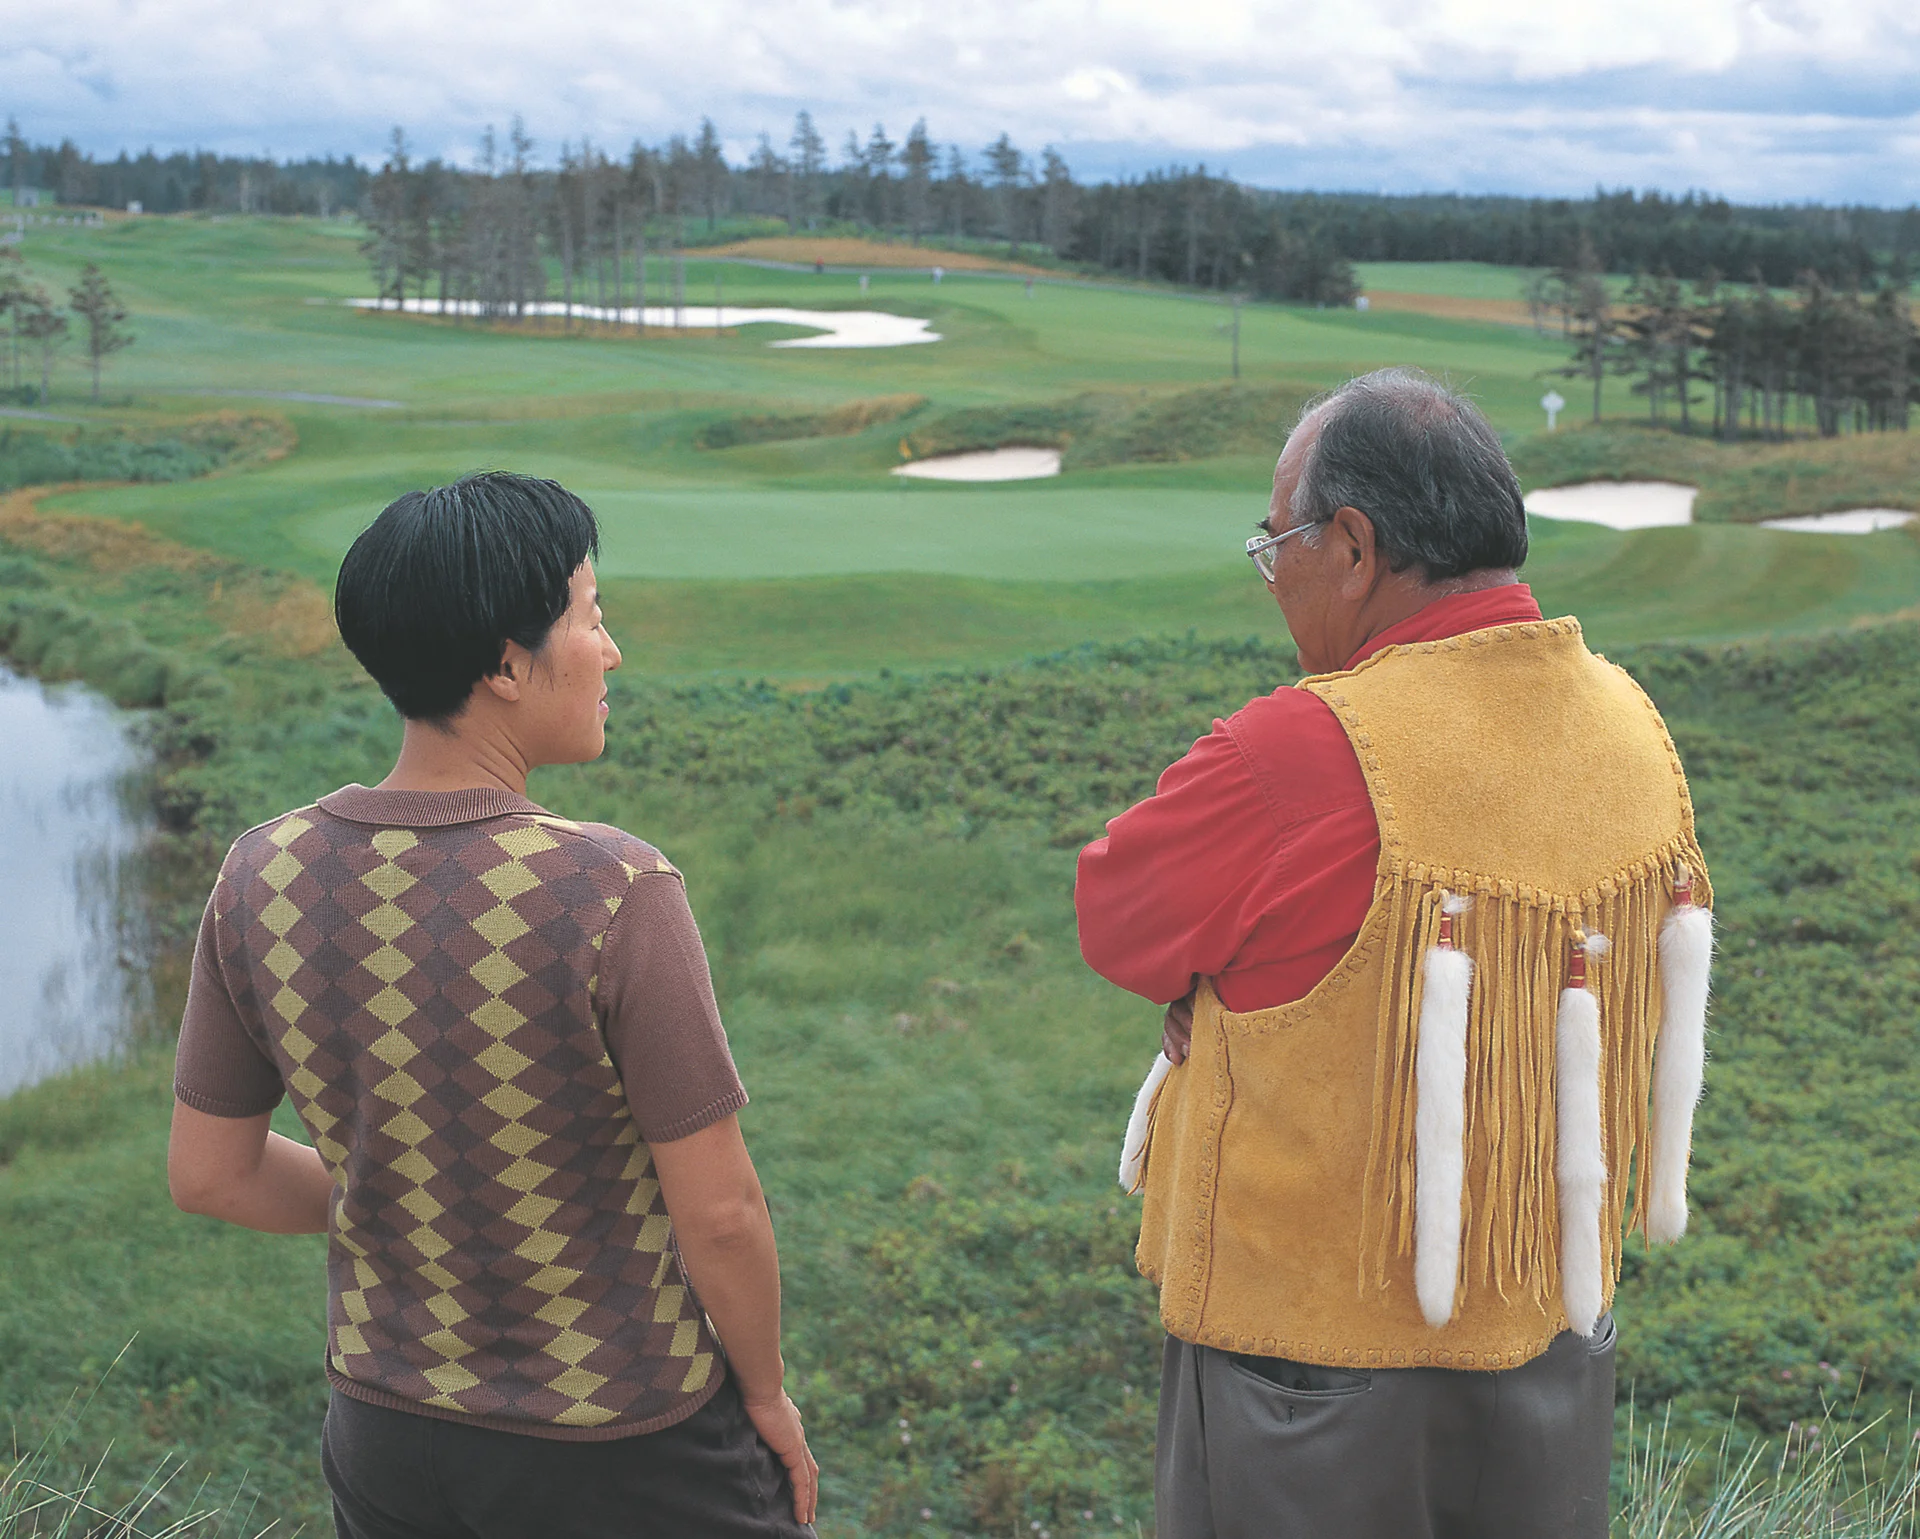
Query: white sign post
(1552, 403)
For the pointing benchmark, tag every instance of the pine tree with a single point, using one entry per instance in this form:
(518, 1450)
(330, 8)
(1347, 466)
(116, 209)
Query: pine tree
(917, 160)
(42, 324)
(1009, 172)
(809, 161)
(711, 171)
(94, 301)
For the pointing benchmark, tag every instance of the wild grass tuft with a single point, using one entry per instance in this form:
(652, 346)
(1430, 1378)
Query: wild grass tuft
(52, 1491)
(1821, 1480)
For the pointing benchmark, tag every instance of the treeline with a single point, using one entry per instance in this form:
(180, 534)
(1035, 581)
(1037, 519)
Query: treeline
(1180, 224)
(1622, 232)
(483, 237)
(184, 182)
(1831, 359)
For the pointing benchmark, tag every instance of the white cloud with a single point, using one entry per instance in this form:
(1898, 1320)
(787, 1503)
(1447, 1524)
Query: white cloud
(1419, 92)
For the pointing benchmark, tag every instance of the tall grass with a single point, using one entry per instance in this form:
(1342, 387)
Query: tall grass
(1818, 1482)
(48, 1492)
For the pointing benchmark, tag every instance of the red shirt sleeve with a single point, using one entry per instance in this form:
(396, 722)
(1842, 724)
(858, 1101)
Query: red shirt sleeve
(1162, 896)
(1252, 863)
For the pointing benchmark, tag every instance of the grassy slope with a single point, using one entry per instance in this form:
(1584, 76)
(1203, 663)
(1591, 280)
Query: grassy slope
(881, 873)
(895, 964)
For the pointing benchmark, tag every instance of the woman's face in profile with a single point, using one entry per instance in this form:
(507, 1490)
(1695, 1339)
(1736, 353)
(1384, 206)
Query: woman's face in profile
(564, 712)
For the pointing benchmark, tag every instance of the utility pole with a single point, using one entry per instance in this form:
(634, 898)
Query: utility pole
(679, 281)
(640, 275)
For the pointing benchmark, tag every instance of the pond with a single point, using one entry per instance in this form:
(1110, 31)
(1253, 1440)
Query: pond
(72, 981)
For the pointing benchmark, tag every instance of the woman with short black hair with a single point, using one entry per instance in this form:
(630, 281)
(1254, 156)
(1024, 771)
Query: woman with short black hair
(498, 1027)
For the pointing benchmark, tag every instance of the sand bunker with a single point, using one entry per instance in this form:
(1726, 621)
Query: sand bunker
(1852, 521)
(986, 465)
(1617, 504)
(837, 328)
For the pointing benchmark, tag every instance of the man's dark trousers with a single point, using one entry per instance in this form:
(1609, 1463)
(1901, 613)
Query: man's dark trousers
(1260, 1448)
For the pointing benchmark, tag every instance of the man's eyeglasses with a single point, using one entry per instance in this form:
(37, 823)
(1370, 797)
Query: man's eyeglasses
(1261, 547)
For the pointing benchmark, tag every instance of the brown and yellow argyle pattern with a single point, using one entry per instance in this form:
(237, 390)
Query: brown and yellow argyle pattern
(499, 1249)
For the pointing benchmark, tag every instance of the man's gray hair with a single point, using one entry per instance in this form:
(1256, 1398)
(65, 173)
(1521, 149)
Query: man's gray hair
(1424, 465)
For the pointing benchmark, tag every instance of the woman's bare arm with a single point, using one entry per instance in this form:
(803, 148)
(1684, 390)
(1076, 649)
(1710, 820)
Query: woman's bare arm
(726, 1240)
(237, 1169)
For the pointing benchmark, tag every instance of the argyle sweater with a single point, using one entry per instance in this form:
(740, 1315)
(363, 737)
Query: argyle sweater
(498, 1249)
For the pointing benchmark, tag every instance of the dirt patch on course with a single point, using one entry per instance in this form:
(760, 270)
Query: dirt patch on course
(845, 251)
(1453, 307)
(291, 617)
(104, 544)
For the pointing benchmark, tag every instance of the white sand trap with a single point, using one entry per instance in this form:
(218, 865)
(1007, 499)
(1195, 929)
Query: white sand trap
(986, 465)
(1618, 504)
(837, 328)
(1852, 521)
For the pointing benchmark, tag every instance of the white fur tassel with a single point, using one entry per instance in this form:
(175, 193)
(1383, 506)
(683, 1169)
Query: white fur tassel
(1133, 1153)
(1680, 1059)
(1581, 1162)
(1440, 1121)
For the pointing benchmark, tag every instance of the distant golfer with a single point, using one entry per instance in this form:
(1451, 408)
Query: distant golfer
(1435, 930)
(498, 1028)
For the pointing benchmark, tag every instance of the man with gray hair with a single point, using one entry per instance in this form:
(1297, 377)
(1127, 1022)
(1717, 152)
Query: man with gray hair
(1421, 920)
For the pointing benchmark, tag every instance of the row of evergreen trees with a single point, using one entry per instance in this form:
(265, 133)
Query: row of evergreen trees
(1833, 359)
(1181, 224)
(483, 236)
(185, 181)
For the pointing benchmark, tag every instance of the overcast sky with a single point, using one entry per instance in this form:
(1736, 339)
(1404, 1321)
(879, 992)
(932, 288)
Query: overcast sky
(1768, 100)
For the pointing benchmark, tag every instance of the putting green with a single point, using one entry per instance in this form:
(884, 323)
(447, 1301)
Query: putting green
(1069, 534)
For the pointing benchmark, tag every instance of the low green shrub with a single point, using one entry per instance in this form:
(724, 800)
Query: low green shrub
(836, 422)
(1197, 424)
(52, 638)
(177, 453)
(1110, 429)
(1036, 424)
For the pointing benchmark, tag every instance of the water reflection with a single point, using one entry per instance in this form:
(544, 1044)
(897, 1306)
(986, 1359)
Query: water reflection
(70, 985)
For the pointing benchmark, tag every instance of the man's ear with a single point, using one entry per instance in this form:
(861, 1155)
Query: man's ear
(1351, 534)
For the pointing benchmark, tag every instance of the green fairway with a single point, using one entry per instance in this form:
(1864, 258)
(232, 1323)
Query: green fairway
(1069, 534)
(803, 558)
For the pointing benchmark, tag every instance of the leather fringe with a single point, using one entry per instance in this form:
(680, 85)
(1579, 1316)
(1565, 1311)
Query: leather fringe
(1518, 941)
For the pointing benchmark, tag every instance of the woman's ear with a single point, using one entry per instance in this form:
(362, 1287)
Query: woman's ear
(506, 680)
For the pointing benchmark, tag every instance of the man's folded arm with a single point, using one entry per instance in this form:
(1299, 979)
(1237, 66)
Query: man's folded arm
(1171, 892)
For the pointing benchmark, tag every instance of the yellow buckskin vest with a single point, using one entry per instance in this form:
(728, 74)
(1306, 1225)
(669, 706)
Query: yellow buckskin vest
(1515, 768)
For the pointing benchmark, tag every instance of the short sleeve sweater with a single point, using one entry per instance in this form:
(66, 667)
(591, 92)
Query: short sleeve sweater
(482, 1013)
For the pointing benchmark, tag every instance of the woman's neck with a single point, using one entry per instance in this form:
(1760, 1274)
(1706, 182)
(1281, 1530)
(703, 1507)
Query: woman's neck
(461, 756)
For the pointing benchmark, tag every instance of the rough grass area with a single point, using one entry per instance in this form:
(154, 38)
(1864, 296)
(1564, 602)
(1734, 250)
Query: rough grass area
(855, 251)
(1097, 429)
(836, 422)
(1740, 482)
(882, 871)
(1194, 425)
(179, 452)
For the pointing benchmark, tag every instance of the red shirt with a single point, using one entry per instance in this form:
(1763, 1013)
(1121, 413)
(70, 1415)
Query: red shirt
(1253, 862)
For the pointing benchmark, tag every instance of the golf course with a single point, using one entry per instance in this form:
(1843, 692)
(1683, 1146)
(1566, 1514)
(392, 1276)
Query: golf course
(872, 717)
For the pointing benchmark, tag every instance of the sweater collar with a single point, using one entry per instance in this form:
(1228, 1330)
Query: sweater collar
(424, 809)
(1455, 615)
